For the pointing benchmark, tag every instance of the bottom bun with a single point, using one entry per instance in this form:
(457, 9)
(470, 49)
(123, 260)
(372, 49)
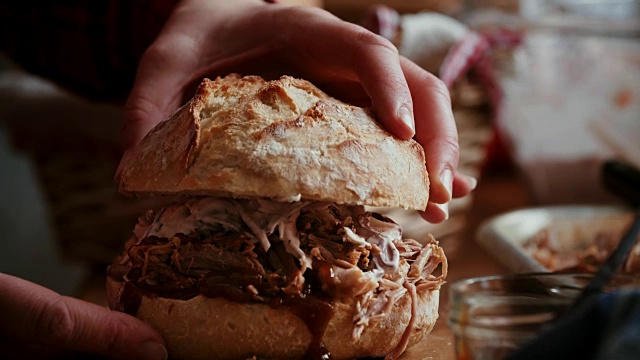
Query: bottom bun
(215, 328)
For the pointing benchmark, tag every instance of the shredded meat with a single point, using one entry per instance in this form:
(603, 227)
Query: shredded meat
(254, 250)
(581, 254)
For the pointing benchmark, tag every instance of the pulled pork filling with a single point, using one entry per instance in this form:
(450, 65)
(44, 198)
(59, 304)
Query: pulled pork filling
(259, 250)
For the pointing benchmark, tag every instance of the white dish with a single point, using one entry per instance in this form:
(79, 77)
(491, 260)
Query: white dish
(504, 235)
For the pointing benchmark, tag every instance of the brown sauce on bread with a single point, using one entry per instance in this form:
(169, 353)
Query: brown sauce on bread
(313, 305)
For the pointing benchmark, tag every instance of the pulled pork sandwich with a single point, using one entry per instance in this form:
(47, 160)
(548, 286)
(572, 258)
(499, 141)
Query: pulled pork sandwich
(269, 251)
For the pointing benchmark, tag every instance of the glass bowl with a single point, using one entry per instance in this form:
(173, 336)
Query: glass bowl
(493, 316)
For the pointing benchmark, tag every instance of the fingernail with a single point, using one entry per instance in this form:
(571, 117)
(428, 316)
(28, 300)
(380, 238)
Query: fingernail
(472, 181)
(152, 350)
(446, 178)
(407, 117)
(444, 208)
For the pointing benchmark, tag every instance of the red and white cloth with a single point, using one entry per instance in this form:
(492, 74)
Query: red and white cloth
(474, 53)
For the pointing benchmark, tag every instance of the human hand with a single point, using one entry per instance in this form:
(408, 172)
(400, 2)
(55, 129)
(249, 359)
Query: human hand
(39, 323)
(216, 37)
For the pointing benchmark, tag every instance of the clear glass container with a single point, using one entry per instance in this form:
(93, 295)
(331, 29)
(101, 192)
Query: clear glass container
(493, 316)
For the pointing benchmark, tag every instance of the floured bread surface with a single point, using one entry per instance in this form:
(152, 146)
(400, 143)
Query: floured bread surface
(283, 139)
(215, 328)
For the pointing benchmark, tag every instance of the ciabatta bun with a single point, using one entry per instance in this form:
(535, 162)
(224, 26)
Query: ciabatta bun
(215, 328)
(282, 139)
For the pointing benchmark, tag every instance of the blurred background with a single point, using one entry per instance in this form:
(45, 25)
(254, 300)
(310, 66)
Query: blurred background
(543, 92)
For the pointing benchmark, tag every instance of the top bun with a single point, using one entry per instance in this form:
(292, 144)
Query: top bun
(283, 139)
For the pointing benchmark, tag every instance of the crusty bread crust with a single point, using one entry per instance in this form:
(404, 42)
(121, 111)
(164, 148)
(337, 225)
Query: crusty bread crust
(215, 328)
(282, 139)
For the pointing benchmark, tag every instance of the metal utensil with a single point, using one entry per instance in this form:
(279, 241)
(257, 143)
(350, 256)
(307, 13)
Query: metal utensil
(613, 263)
(623, 180)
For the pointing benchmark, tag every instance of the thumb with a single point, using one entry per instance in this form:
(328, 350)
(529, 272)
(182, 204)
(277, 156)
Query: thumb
(38, 316)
